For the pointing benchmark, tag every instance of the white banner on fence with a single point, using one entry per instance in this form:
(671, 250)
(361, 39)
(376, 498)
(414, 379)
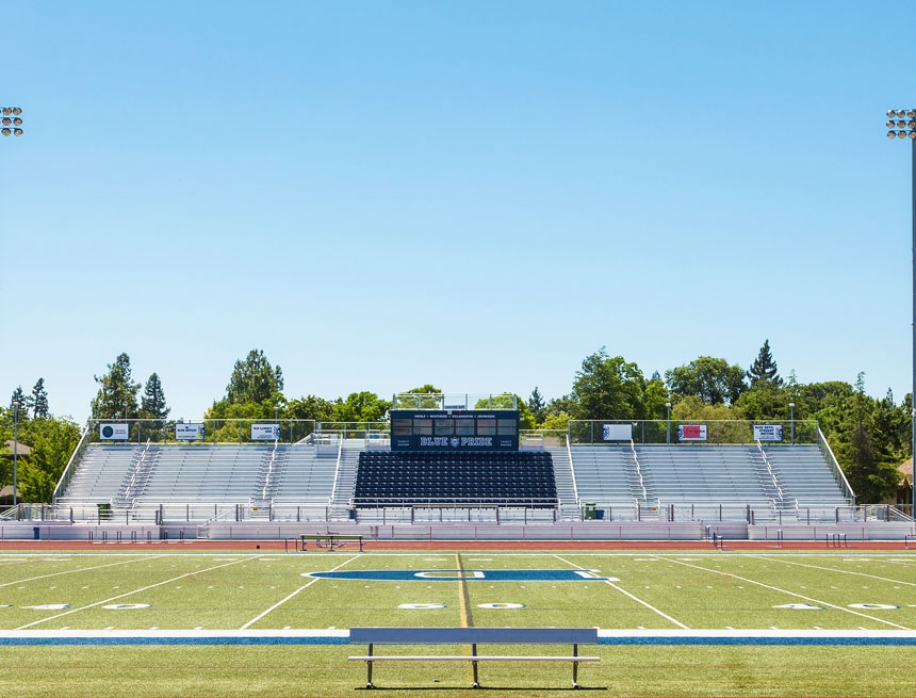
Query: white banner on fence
(768, 432)
(618, 432)
(265, 432)
(114, 432)
(189, 431)
(691, 432)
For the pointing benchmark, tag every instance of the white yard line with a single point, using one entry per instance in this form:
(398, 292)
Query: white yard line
(131, 593)
(635, 598)
(790, 593)
(832, 569)
(81, 569)
(280, 603)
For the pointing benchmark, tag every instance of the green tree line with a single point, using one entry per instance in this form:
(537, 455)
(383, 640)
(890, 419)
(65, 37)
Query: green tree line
(869, 436)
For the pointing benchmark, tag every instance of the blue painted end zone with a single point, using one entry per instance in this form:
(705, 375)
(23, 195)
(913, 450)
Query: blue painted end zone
(167, 641)
(462, 575)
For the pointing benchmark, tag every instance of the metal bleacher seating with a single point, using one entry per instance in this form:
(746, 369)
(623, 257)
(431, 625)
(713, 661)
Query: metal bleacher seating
(196, 473)
(806, 477)
(305, 476)
(523, 478)
(717, 474)
(101, 473)
(602, 474)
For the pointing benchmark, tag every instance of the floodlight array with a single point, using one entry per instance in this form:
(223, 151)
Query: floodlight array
(902, 123)
(10, 121)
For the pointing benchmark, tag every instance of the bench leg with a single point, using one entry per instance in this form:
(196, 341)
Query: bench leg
(369, 669)
(575, 667)
(474, 654)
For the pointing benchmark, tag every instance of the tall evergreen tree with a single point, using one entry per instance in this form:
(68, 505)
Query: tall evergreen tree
(254, 380)
(153, 408)
(537, 405)
(117, 396)
(40, 400)
(764, 368)
(152, 404)
(19, 401)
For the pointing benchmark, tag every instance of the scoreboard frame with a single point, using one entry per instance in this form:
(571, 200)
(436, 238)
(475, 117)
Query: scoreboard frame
(454, 430)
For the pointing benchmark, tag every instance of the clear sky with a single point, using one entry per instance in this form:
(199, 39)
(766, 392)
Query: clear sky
(476, 195)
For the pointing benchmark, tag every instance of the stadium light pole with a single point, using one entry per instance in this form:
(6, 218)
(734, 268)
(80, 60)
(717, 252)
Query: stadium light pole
(10, 121)
(15, 452)
(668, 424)
(902, 124)
(792, 420)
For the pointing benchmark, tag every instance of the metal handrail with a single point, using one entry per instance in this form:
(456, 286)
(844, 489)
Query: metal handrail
(838, 473)
(642, 483)
(763, 454)
(75, 457)
(572, 469)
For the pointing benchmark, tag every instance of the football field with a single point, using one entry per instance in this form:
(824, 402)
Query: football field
(116, 623)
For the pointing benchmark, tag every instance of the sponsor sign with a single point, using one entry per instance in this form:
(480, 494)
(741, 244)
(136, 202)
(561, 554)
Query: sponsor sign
(114, 432)
(265, 432)
(691, 432)
(189, 431)
(768, 432)
(617, 432)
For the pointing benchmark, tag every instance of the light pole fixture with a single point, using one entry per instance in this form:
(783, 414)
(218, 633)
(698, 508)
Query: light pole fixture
(901, 124)
(10, 121)
(15, 452)
(792, 420)
(668, 424)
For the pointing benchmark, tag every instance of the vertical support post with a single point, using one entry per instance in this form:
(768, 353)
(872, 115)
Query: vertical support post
(913, 412)
(474, 654)
(575, 666)
(369, 669)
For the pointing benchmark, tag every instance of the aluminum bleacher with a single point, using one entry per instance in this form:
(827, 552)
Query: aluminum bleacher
(806, 477)
(101, 474)
(306, 476)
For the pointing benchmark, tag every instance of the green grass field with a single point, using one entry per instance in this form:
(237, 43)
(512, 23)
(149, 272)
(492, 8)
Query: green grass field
(166, 590)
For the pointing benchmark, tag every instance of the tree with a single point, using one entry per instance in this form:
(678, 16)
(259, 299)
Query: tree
(255, 380)
(19, 404)
(608, 388)
(537, 405)
(764, 368)
(714, 381)
(117, 396)
(52, 442)
(427, 399)
(310, 407)
(153, 406)
(361, 407)
(40, 400)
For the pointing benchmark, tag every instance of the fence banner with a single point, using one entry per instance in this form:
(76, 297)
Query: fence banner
(189, 431)
(265, 432)
(691, 432)
(768, 432)
(617, 432)
(114, 432)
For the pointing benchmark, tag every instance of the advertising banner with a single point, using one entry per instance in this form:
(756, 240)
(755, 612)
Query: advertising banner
(189, 431)
(768, 432)
(617, 432)
(114, 432)
(265, 432)
(691, 432)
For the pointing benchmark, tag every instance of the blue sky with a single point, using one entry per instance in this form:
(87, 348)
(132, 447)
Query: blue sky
(476, 195)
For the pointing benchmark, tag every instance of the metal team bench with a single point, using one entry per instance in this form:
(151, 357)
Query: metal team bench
(331, 540)
(474, 637)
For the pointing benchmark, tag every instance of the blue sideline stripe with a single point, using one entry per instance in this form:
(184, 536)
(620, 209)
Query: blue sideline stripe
(851, 638)
(97, 638)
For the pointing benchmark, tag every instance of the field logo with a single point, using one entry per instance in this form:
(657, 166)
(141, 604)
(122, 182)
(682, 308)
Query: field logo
(460, 575)
(422, 606)
(800, 607)
(500, 606)
(874, 606)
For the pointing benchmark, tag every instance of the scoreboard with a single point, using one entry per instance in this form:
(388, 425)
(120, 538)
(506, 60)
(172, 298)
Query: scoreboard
(454, 430)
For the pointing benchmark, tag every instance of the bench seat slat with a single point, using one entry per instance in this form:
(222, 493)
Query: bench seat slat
(470, 658)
